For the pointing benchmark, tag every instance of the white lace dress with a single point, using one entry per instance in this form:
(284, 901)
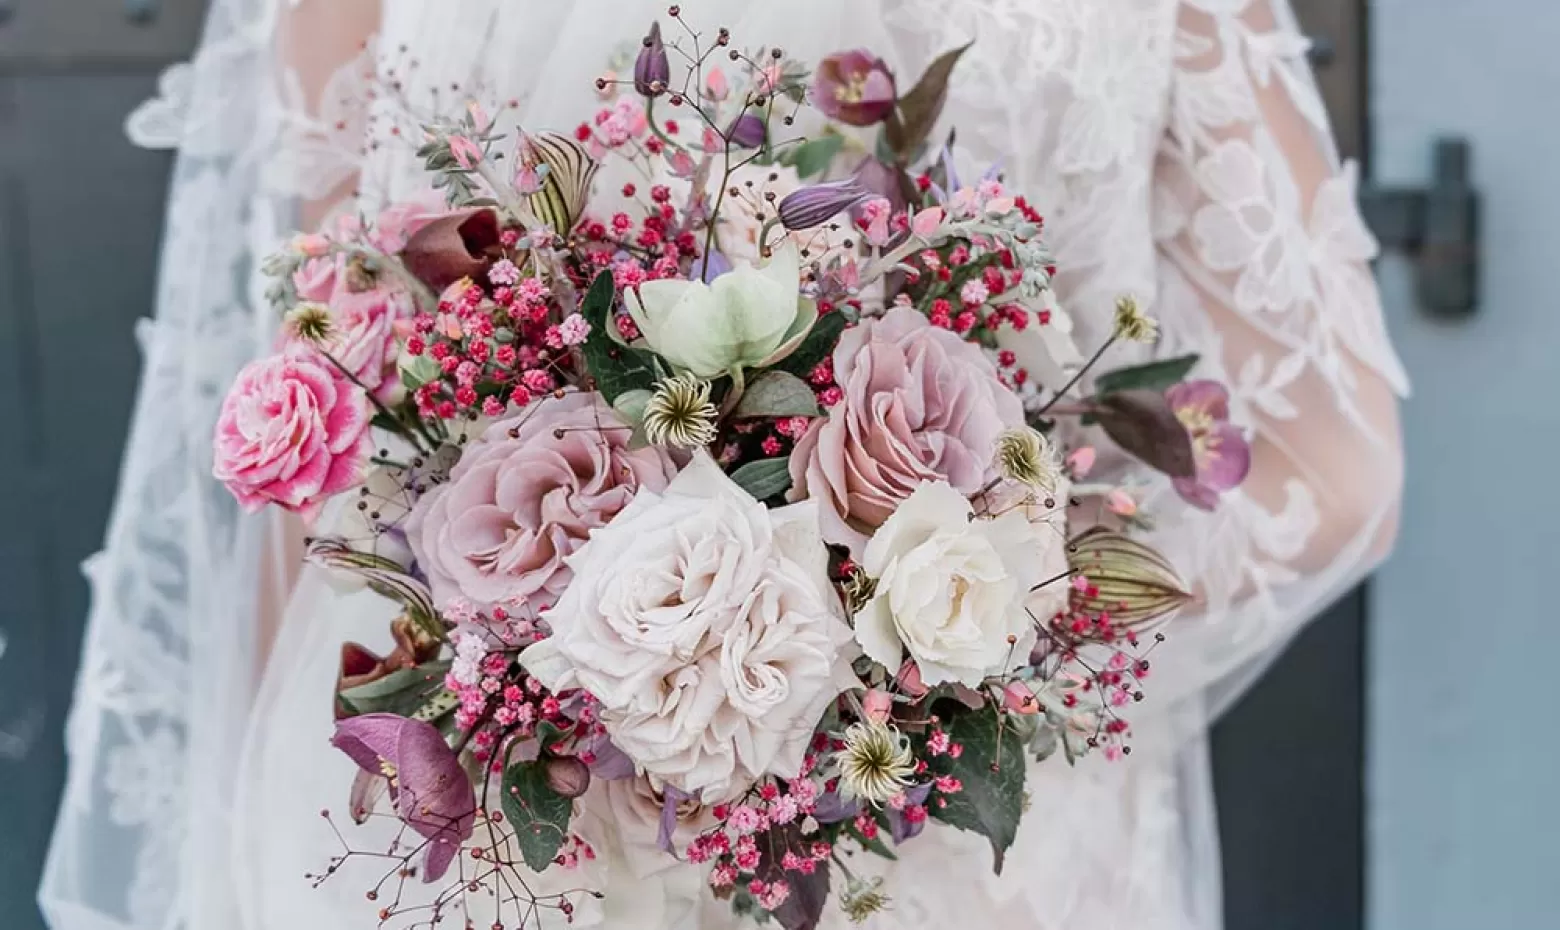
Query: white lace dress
(1178, 150)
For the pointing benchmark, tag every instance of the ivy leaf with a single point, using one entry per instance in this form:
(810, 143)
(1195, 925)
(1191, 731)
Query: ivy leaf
(764, 478)
(919, 109)
(401, 692)
(1142, 423)
(991, 768)
(538, 814)
(814, 156)
(818, 345)
(778, 394)
(615, 368)
(1154, 376)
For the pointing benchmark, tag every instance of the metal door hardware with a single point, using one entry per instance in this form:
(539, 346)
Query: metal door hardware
(1438, 226)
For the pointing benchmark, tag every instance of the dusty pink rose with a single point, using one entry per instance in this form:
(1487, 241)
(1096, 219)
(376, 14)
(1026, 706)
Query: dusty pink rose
(920, 404)
(525, 495)
(363, 336)
(293, 430)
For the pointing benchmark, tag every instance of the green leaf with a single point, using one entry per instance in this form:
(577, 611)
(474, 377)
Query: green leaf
(814, 156)
(818, 345)
(764, 478)
(778, 394)
(991, 768)
(630, 405)
(1142, 423)
(874, 845)
(417, 370)
(401, 692)
(538, 815)
(615, 368)
(919, 109)
(1154, 376)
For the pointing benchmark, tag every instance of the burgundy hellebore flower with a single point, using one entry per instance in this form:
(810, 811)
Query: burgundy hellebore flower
(431, 792)
(816, 204)
(1221, 453)
(652, 70)
(854, 87)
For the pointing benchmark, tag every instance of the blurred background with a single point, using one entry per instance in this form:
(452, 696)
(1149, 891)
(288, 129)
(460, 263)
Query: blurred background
(1392, 772)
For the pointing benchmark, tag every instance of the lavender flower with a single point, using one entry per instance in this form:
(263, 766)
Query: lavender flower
(747, 131)
(816, 204)
(1221, 453)
(431, 792)
(854, 87)
(652, 69)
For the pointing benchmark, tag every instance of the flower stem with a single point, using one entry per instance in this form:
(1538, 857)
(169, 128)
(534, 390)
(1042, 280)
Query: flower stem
(1078, 376)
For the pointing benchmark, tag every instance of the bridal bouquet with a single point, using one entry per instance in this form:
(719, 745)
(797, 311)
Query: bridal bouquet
(730, 533)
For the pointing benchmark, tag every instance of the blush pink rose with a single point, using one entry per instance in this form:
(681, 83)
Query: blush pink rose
(293, 431)
(363, 337)
(523, 496)
(397, 223)
(315, 278)
(920, 404)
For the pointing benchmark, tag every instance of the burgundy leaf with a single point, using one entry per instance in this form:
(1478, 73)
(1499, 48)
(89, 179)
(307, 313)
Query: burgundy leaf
(452, 247)
(1143, 424)
(919, 109)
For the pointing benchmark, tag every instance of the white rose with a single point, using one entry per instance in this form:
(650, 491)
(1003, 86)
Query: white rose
(952, 590)
(747, 318)
(706, 625)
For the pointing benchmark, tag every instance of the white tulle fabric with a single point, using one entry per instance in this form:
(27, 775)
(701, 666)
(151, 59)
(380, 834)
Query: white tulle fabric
(1178, 150)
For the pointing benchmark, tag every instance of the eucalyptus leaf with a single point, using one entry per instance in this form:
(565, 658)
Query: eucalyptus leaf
(814, 156)
(764, 478)
(417, 370)
(1142, 423)
(401, 692)
(991, 769)
(919, 109)
(630, 405)
(538, 814)
(777, 393)
(1154, 376)
(614, 367)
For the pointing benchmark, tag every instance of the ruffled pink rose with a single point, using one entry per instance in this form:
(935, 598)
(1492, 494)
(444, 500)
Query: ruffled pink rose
(363, 337)
(293, 430)
(315, 278)
(920, 404)
(525, 495)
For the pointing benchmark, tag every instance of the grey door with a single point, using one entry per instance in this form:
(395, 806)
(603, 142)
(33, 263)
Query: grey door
(80, 220)
(1288, 760)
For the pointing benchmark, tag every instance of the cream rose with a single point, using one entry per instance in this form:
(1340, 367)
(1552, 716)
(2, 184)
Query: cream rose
(955, 591)
(706, 625)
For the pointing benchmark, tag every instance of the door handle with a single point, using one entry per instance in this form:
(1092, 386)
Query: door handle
(1438, 225)
(141, 12)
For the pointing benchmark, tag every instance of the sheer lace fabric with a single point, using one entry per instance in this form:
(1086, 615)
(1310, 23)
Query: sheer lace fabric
(1179, 151)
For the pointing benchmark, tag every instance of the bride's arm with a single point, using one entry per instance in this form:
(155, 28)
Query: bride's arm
(1264, 269)
(315, 40)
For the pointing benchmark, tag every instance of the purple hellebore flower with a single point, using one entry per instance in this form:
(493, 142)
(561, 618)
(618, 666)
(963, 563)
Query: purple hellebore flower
(652, 69)
(431, 792)
(1221, 453)
(816, 204)
(707, 268)
(899, 827)
(832, 808)
(854, 87)
(747, 131)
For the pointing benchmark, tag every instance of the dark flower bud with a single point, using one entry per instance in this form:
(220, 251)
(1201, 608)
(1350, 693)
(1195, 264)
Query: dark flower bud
(816, 204)
(652, 69)
(568, 776)
(747, 131)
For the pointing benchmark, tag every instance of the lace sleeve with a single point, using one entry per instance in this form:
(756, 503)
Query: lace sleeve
(1263, 269)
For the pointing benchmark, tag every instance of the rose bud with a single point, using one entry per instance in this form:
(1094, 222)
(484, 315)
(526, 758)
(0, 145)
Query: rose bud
(817, 204)
(854, 87)
(568, 776)
(652, 70)
(747, 131)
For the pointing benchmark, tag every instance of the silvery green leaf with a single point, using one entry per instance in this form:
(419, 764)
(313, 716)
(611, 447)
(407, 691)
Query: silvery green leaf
(778, 393)
(630, 405)
(417, 370)
(765, 478)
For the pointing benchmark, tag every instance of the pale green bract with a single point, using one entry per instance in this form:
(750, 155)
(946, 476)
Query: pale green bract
(750, 317)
